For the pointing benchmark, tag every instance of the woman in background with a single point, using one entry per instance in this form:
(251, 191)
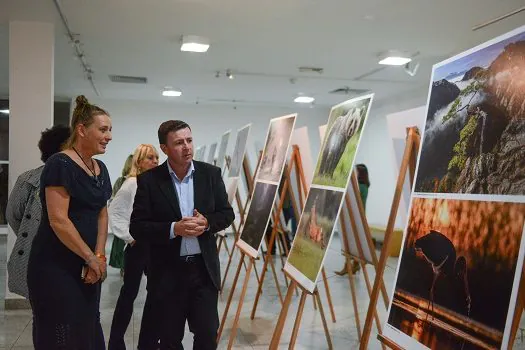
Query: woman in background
(67, 261)
(24, 209)
(136, 254)
(116, 257)
(364, 184)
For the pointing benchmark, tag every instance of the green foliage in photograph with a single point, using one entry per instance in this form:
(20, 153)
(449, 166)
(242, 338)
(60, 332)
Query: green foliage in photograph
(306, 257)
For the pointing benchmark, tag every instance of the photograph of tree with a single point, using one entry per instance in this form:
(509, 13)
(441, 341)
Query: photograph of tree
(275, 149)
(456, 273)
(238, 151)
(474, 140)
(340, 141)
(314, 232)
(258, 215)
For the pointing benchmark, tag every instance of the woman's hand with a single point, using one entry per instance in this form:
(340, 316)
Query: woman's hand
(91, 276)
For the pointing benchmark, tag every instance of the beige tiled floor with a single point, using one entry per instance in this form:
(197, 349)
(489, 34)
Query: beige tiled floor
(256, 334)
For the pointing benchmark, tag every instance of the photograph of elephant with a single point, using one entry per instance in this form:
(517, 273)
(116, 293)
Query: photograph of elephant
(314, 232)
(474, 140)
(276, 148)
(456, 273)
(239, 151)
(339, 146)
(258, 216)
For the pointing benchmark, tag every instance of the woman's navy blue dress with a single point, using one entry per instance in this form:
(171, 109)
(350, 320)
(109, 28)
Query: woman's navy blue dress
(65, 309)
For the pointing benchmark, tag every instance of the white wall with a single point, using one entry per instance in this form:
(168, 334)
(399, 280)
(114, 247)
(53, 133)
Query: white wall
(136, 122)
(375, 151)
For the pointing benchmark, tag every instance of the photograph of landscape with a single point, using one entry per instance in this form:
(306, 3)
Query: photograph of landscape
(474, 140)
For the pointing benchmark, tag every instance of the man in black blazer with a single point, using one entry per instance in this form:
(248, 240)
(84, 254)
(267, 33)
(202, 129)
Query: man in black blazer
(178, 208)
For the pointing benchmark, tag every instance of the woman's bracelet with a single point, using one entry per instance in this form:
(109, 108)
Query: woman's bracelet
(101, 257)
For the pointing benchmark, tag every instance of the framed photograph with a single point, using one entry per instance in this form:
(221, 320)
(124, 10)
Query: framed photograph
(475, 122)
(257, 218)
(340, 142)
(458, 275)
(313, 236)
(276, 148)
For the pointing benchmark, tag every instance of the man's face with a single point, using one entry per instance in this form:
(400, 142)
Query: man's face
(179, 147)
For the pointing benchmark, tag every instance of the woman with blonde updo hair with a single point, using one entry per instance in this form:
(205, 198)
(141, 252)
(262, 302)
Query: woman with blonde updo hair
(67, 262)
(136, 255)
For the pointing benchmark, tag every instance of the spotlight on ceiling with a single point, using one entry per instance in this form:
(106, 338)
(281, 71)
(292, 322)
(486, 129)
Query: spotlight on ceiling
(193, 43)
(230, 75)
(170, 92)
(394, 58)
(4, 111)
(304, 99)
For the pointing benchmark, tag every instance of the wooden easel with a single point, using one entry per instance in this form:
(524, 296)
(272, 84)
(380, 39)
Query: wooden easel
(294, 163)
(242, 210)
(251, 263)
(408, 163)
(361, 258)
(276, 338)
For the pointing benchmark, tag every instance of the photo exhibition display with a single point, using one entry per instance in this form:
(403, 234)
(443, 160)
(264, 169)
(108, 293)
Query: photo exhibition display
(266, 183)
(332, 173)
(462, 254)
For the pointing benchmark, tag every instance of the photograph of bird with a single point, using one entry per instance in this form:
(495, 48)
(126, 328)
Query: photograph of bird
(439, 251)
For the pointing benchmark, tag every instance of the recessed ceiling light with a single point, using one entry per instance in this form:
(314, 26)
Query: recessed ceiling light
(192, 43)
(4, 111)
(394, 58)
(170, 92)
(304, 99)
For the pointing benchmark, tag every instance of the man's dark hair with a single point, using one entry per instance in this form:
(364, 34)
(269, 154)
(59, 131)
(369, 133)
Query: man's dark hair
(169, 126)
(52, 140)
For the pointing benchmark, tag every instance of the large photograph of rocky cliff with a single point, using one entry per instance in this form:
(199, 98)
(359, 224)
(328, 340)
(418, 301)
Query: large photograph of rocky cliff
(475, 130)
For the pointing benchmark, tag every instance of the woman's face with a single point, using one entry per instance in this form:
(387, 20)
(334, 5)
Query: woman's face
(150, 161)
(98, 134)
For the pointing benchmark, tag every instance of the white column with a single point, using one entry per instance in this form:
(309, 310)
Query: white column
(31, 90)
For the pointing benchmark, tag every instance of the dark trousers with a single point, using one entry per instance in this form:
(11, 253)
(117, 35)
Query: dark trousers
(194, 299)
(135, 264)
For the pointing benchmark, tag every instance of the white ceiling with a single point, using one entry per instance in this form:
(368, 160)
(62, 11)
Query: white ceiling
(263, 42)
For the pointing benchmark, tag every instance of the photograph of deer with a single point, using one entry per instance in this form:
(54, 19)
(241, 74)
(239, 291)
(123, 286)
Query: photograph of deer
(339, 147)
(313, 235)
(275, 149)
(457, 275)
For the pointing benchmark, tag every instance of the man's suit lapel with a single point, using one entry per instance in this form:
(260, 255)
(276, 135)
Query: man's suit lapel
(198, 186)
(167, 189)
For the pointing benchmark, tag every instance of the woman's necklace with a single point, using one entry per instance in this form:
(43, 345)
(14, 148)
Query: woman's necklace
(95, 177)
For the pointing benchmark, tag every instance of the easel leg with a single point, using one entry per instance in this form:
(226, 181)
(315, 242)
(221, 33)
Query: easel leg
(267, 261)
(520, 304)
(278, 331)
(323, 319)
(228, 269)
(226, 246)
(230, 297)
(354, 299)
(297, 322)
(221, 238)
(235, 325)
(328, 296)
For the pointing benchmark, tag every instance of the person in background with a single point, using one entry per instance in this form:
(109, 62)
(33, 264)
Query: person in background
(136, 254)
(67, 262)
(116, 257)
(364, 184)
(24, 209)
